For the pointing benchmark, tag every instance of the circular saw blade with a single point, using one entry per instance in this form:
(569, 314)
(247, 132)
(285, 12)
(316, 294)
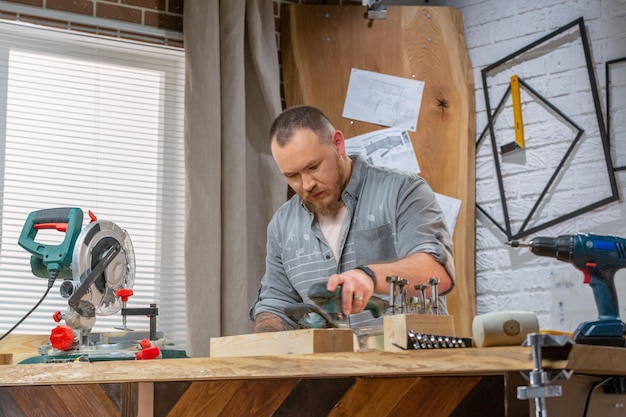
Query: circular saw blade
(91, 245)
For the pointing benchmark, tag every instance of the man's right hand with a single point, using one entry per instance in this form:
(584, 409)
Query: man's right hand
(357, 288)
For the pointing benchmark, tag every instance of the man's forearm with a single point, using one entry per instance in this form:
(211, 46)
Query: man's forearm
(268, 322)
(416, 268)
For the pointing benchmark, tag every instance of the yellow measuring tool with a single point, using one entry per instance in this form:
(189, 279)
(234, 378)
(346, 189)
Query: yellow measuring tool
(517, 111)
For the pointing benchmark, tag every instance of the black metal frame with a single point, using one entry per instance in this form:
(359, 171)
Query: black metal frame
(506, 228)
(608, 104)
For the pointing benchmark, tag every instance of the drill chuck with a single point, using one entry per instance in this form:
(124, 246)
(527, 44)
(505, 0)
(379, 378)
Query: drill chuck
(560, 247)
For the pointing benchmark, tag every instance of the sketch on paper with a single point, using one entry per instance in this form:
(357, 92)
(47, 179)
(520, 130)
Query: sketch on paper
(383, 99)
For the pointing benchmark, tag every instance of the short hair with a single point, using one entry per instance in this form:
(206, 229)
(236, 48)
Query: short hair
(300, 117)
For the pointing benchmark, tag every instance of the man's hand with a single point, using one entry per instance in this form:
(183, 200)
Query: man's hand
(356, 289)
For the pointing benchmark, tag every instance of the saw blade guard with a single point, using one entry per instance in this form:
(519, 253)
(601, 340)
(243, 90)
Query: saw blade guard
(92, 244)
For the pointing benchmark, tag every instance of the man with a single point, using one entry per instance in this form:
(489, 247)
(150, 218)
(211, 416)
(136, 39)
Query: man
(350, 224)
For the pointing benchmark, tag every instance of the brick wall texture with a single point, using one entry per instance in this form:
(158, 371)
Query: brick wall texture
(162, 14)
(514, 279)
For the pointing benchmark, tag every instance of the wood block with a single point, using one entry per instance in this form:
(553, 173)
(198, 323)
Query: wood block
(17, 347)
(283, 343)
(396, 328)
(597, 360)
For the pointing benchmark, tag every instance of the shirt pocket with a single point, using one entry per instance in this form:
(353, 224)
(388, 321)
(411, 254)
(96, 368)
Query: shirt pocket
(375, 245)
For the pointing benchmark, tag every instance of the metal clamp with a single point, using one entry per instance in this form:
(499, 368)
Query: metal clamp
(539, 378)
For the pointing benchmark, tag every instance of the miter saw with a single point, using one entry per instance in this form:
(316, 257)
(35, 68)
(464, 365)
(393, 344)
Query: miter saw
(97, 265)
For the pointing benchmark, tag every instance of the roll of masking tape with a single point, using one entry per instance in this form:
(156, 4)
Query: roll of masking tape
(503, 328)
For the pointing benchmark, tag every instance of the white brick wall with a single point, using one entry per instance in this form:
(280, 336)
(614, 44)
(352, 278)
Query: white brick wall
(515, 279)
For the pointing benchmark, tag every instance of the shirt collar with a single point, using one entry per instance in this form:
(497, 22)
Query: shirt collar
(353, 189)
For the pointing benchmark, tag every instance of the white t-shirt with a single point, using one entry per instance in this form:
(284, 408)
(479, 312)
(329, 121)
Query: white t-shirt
(331, 227)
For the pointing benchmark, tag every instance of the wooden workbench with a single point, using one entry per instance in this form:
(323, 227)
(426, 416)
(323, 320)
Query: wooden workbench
(443, 382)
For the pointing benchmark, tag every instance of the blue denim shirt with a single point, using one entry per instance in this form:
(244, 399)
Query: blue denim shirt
(391, 214)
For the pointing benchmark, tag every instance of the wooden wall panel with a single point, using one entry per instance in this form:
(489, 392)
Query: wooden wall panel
(321, 44)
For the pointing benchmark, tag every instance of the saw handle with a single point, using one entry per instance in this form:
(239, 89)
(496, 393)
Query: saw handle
(66, 219)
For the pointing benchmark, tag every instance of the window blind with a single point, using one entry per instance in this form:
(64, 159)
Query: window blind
(94, 123)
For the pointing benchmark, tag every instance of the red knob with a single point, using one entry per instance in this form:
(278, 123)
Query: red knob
(145, 343)
(124, 293)
(148, 353)
(62, 338)
(57, 316)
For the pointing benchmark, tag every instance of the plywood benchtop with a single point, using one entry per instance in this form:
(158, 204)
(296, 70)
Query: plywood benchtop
(466, 361)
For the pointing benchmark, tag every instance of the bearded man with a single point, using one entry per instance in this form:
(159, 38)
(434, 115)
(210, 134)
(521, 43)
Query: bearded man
(349, 223)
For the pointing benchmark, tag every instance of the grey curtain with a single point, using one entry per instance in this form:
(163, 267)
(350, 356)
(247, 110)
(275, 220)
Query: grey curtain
(232, 94)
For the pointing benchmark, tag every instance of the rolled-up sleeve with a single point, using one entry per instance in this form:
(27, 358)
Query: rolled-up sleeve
(275, 292)
(421, 224)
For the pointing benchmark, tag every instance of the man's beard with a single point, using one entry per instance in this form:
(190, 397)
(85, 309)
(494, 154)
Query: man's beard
(333, 207)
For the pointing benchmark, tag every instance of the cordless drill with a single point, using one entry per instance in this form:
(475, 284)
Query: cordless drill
(599, 258)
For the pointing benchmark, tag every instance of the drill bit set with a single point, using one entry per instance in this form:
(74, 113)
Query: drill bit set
(430, 341)
(417, 308)
(400, 303)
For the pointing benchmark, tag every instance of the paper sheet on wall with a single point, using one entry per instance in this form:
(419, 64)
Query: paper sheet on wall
(383, 99)
(392, 148)
(389, 147)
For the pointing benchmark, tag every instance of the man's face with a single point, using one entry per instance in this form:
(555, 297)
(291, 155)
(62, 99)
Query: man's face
(313, 169)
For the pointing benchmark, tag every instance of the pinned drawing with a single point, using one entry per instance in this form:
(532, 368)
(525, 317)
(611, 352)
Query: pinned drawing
(383, 99)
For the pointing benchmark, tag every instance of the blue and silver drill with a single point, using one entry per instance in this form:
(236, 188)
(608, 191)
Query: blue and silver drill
(599, 258)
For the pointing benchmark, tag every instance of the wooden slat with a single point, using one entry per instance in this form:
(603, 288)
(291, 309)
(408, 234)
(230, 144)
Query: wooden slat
(86, 400)
(39, 401)
(251, 398)
(373, 397)
(217, 395)
(8, 406)
(321, 44)
(259, 398)
(399, 397)
(314, 397)
(435, 397)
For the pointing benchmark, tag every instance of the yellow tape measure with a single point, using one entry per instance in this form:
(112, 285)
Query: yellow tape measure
(517, 111)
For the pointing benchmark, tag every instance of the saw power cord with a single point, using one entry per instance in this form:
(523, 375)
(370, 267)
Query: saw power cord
(52, 276)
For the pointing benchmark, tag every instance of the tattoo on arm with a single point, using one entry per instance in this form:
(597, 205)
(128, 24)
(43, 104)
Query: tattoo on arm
(268, 322)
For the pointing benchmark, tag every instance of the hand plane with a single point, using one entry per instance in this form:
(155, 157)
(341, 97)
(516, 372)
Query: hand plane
(327, 307)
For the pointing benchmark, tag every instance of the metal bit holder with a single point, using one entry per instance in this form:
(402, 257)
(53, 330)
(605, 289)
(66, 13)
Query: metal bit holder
(392, 293)
(398, 294)
(402, 294)
(422, 289)
(539, 379)
(434, 282)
